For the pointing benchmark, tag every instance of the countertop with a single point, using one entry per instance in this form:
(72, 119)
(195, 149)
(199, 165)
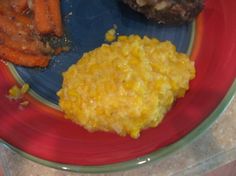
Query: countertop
(216, 147)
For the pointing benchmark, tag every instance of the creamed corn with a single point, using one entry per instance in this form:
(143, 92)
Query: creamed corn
(126, 86)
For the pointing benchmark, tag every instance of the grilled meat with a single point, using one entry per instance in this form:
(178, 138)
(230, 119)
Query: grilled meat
(168, 11)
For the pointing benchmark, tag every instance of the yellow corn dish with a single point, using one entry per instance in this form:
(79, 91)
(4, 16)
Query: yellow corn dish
(126, 86)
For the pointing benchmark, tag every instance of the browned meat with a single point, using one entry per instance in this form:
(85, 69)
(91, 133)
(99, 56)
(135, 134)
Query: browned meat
(168, 11)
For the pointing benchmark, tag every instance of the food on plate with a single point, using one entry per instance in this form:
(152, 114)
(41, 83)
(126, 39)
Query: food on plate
(32, 46)
(168, 11)
(41, 17)
(59, 50)
(21, 58)
(110, 35)
(20, 38)
(14, 28)
(23, 104)
(19, 5)
(126, 86)
(16, 92)
(55, 12)
(48, 17)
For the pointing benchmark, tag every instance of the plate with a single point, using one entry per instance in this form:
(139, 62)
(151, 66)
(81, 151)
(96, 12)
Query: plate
(40, 133)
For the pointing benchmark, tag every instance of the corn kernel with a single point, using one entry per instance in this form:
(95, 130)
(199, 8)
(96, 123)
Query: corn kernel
(24, 103)
(14, 92)
(110, 35)
(25, 88)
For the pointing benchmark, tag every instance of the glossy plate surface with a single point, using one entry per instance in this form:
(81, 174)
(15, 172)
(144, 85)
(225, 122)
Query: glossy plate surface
(40, 132)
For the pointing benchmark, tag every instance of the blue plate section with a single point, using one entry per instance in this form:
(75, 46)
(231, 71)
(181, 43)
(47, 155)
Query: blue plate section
(86, 23)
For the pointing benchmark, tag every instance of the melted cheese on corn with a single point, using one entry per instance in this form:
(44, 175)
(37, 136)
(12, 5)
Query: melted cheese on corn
(125, 87)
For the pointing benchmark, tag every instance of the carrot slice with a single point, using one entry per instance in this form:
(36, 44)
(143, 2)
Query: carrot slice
(55, 13)
(32, 47)
(42, 18)
(19, 5)
(21, 58)
(11, 27)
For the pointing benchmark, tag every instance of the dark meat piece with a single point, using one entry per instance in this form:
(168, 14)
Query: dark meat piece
(168, 11)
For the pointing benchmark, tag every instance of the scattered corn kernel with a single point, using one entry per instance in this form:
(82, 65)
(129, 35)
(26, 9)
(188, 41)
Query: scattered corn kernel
(25, 88)
(125, 87)
(110, 35)
(24, 103)
(14, 92)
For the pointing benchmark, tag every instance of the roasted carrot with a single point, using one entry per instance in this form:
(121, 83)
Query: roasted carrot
(25, 20)
(19, 5)
(5, 7)
(41, 15)
(55, 14)
(7, 26)
(11, 27)
(31, 47)
(21, 58)
(6, 10)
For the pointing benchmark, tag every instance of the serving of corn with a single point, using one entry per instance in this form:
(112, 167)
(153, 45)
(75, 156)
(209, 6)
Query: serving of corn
(126, 86)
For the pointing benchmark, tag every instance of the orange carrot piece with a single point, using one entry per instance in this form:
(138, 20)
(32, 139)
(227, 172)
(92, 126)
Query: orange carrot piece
(22, 19)
(7, 26)
(18, 18)
(42, 18)
(58, 51)
(19, 5)
(5, 7)
(55, 14)
(21, 58)
(6, 10)
(32, 47)
(11, 27)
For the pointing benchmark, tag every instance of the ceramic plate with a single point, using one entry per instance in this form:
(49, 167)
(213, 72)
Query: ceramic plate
(40, 133)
